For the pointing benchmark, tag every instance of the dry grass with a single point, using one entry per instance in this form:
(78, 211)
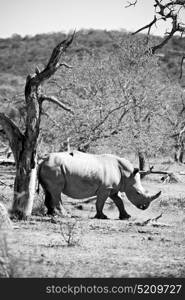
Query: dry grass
(143, 246)
(9, 263)
(71, 232)
(6, 266)
(39, 208)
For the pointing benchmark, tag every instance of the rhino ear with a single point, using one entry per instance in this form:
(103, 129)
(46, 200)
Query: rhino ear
(136, 170)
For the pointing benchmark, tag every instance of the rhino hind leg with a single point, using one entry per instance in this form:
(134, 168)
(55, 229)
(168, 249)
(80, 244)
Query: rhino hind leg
(48, 204)
(119, 203)
(101, 198)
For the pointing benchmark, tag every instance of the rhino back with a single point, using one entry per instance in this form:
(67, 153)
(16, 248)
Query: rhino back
(84, 174)
(92, 167)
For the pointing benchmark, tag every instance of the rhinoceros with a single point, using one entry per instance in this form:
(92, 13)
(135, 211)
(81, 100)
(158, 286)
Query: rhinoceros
(82, 175)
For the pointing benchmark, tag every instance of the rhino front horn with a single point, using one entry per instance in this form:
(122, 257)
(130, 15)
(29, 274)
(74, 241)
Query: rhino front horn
(155, 196)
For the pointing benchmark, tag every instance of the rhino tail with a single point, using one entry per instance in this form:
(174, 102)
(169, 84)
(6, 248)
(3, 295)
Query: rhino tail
(38, 178)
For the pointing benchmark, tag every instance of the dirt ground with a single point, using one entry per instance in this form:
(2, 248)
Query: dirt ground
(81, 246)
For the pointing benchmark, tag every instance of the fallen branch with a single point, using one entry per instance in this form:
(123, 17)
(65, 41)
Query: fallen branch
(150, 220)
(168, 176)
(7, 163)
(150, 171)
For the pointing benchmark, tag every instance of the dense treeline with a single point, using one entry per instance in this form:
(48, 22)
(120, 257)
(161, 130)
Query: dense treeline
(124, 98)
(19, 54)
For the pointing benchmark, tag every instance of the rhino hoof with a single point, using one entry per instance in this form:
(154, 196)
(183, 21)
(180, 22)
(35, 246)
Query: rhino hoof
(124, 217)
(100, 216)
(51, 213)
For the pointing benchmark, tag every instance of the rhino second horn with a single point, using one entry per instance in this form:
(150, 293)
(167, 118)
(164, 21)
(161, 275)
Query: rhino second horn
(155, 196)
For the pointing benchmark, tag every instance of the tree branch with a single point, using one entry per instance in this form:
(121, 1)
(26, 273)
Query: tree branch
(54, 100)
(164, 10)
(13, 134)
(52, 66)
(131, 3)
(66, 65)
(169, 36)
(58, 51)
(146, 26)
(108, 114)
(9, 127)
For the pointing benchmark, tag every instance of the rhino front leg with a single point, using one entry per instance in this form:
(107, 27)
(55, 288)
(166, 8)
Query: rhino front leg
(63, 212)
(101, 198)
(59, 208)
(119, 203)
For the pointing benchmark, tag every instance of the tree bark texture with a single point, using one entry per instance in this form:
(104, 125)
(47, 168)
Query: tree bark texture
(179, 154)
(142, 162)
(24, 145)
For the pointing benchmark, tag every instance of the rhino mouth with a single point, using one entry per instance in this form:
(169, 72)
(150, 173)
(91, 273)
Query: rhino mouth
(145, 205)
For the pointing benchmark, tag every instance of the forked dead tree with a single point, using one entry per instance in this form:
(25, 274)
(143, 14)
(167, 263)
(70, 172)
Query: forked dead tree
(172, 12)
(165, 10)
(24, 145)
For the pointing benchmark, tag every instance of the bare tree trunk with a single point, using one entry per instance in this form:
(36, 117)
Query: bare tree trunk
(179, 147)
(24, 146)
(24, 149)
(176, 156)
(142, 162)
(24, 188)
(179, 154)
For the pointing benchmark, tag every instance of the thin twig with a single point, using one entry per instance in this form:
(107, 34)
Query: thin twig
(131, 4)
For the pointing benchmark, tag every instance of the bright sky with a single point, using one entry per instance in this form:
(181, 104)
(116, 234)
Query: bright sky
(29, 17)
